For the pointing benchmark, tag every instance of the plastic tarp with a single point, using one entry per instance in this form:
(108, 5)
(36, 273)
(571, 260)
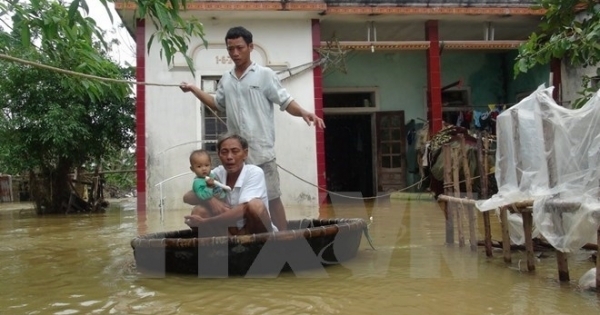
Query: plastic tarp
(550, 154)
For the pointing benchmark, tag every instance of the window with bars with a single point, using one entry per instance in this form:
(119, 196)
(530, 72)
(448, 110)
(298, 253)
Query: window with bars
(214, 125)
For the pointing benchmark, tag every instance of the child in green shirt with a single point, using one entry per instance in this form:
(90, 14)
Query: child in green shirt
(200, 164)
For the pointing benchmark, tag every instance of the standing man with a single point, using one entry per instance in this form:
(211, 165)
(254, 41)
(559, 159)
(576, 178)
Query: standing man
(247, 94)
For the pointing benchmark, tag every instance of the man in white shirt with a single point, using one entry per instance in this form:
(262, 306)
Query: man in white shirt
(246, 210)
(247, 94)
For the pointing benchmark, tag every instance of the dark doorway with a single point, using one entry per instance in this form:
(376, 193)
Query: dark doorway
(348, 151)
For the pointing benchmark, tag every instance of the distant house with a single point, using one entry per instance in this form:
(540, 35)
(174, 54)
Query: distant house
(399, 57)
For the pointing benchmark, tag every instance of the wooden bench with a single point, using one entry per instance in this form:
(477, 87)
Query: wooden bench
(457, 205)
(524, 207)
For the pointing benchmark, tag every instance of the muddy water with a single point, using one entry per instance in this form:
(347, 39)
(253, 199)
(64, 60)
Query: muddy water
(83, 265)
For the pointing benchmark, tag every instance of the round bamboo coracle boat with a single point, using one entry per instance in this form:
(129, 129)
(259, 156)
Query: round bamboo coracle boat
(307, 244)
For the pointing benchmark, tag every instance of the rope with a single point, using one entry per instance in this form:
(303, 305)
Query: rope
(79, 74)
(346, 196)
(309, 66)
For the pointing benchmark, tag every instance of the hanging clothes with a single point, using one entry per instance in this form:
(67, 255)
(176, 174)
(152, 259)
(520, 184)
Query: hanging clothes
(460, 119)
(478, 116)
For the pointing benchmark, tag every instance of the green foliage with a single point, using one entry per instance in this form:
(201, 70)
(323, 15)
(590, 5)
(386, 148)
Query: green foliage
(570, 30)
(46, 119)
(119, 171)
(50, 122)
(173, 32)
(123, 160)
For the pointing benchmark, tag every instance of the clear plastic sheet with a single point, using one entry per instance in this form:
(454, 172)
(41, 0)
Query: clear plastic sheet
(588, 280)
(551, 155)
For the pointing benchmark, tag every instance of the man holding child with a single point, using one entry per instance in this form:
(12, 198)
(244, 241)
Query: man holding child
(245, 209)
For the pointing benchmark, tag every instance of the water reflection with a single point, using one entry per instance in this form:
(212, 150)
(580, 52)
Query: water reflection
(82, 264)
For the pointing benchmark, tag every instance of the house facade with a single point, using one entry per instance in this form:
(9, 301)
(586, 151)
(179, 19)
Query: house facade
(389, 66)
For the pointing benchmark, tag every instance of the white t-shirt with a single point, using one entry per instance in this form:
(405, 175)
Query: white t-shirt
(249, 185)
(248, 104)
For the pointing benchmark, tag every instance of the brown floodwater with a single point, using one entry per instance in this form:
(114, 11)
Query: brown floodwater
(83, 264)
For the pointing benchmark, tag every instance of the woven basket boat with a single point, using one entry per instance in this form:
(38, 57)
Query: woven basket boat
(307, 244)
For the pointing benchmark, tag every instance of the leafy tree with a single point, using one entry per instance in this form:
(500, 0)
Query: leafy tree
(51, 123)
(570, 31)
(123, 182)
(119, 176)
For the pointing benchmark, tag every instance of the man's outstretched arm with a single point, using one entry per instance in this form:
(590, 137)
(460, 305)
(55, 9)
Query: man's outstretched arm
(296, 110)
(204, 97)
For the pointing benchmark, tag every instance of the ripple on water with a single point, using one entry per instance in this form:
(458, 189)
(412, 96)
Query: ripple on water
(66, 312)
(88, 260)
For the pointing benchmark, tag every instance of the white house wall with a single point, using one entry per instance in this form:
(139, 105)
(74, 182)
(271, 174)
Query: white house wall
(173, 122)
(572, 81)
(571, 76)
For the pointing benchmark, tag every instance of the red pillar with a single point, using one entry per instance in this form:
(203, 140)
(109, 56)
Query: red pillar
(140, 117)
(434, 80)
(320, 133)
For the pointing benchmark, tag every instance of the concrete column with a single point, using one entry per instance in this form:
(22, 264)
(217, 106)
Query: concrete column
(140, 116)
(320, 133)
(434, 77)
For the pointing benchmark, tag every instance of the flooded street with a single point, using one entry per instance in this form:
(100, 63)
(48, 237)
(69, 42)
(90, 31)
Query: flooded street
(83, 264)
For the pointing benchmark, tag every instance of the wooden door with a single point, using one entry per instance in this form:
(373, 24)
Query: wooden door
(391, 151)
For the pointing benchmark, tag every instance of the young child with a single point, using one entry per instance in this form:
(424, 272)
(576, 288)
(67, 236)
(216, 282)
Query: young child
(201, 165)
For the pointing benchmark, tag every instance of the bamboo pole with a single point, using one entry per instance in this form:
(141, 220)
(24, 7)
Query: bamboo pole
(485, 191)
(564, 206)
(469, 193)
(107, 172)
(483, 181)
(457, 200)
(598, 261)
(459, 206)
(447, 155)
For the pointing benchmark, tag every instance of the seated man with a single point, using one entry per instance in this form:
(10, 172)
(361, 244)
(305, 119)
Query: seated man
(245, 208)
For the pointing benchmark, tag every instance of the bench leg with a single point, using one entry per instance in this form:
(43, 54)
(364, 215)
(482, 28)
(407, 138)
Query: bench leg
(488, 233)
(449, 223)
(563, 266)
(505, 235)
(527, 228)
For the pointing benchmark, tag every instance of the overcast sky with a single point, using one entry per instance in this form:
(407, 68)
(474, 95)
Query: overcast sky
(125, 52)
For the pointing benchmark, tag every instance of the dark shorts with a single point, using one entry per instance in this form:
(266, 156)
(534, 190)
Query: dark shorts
(272, 179)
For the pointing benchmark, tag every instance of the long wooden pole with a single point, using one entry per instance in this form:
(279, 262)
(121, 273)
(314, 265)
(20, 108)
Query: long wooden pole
(483, 181)
(459, 206)
(447, 155)
(469, 192)
(598, 261)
